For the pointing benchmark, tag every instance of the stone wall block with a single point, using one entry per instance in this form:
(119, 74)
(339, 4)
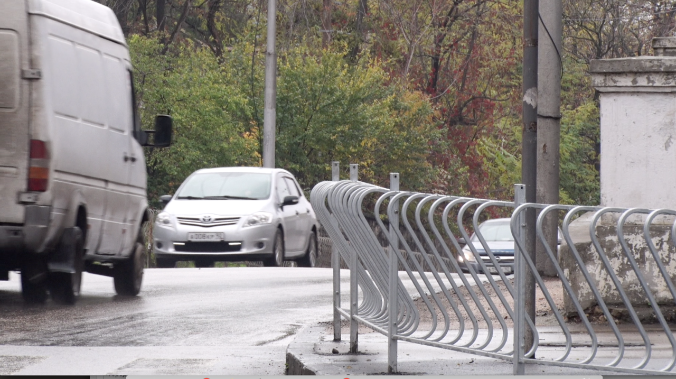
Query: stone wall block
(608, 239)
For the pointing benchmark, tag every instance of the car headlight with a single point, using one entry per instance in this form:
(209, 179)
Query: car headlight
(259, 218)
(163, 219)
(469, 257)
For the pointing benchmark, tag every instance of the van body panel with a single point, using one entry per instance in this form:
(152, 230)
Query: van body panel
(14, 110)
(82, 14)
(68, 120)
(83, 111)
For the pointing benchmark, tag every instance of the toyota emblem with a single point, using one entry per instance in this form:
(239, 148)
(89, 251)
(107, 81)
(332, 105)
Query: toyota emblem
(206, 219)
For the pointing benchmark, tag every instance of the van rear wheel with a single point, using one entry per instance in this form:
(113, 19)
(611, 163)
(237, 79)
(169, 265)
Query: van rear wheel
(128, 274)
(34, 283)
(65, 286)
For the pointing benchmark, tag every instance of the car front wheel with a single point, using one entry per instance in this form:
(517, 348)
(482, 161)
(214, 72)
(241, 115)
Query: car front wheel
(277, 258)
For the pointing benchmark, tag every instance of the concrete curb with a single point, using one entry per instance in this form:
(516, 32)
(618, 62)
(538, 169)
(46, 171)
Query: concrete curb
(313, 352)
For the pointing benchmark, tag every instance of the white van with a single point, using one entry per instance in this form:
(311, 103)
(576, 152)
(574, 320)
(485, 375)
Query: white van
(72, 169)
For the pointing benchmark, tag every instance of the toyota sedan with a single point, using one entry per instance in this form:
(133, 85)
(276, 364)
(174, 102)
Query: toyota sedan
(236, 214)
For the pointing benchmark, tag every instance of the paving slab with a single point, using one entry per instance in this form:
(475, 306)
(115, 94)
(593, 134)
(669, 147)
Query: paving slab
(313, 352)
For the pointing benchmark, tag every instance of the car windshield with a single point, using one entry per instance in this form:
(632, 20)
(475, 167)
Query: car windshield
(226, 186)
(494, 231)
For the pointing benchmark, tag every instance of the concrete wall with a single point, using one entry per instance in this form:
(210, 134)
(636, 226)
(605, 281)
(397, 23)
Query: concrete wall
(606, 232)
(638, 162)
(638, 131)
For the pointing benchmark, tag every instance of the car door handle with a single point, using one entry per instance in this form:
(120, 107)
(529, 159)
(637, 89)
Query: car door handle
(297, 213)
(307, 211)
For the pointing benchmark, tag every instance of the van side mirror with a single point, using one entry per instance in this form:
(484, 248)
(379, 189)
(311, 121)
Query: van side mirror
(462, 241)
(163, 132)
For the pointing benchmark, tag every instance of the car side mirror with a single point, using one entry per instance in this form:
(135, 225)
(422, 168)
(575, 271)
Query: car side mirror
(165, 199)
(290, 200)
(163, 132)
(462, 241)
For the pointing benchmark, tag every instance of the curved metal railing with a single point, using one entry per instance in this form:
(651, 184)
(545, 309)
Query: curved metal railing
(454, 305)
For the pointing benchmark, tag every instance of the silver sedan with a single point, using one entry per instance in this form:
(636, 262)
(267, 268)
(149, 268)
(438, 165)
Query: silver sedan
(236, 214)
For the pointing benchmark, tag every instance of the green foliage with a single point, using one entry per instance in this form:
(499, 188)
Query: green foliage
(329, 110)
(429, 90)
(207, 108)
(580, 183)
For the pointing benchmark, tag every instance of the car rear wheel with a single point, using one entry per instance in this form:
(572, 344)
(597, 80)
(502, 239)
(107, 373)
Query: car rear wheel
(277, 258)
(128, 274)
(310, 257)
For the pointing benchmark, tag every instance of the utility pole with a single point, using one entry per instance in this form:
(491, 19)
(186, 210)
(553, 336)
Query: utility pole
(270, 113)
(529, 144)
(549, 124)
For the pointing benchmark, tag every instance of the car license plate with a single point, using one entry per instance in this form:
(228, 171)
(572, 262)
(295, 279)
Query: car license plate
(494, 270)
(206, 237)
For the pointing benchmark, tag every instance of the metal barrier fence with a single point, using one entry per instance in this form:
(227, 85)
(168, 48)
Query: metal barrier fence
(461, 309)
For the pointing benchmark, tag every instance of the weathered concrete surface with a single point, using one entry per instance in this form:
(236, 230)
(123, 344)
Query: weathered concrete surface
(638, 128)
(664, 46)
(606, 232)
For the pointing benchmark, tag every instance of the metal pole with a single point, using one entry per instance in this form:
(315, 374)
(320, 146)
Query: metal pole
(354, 286)
(270, 113)
(393, 283)
(549, 124)
(335, 264)
(519, 302)
(529, 141)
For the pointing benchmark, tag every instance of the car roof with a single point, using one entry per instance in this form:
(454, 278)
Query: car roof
(497, 220)
(262, 170)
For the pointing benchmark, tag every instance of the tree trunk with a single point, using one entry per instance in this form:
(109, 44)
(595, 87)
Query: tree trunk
(326, 23)
(362, 10)
(160, 14)
(216, 43)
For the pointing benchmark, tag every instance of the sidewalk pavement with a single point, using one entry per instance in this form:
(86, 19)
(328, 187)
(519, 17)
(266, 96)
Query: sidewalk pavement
(314, 352)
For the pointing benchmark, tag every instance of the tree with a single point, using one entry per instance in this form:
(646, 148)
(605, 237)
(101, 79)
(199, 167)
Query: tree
(208, 109)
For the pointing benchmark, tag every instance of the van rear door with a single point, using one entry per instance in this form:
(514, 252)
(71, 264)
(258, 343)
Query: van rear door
(14, 94)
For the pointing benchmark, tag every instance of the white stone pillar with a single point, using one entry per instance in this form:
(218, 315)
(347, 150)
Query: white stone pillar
(638, 128)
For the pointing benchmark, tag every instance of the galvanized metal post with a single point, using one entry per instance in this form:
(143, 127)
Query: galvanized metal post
(393, 283)
(269, 111)
(354, 287)
(335, 264)
(520, 293)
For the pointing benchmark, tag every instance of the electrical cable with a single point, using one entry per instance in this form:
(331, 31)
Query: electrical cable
(553, 43)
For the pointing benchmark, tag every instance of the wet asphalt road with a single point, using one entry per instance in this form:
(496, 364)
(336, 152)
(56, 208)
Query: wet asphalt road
(227, 321)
